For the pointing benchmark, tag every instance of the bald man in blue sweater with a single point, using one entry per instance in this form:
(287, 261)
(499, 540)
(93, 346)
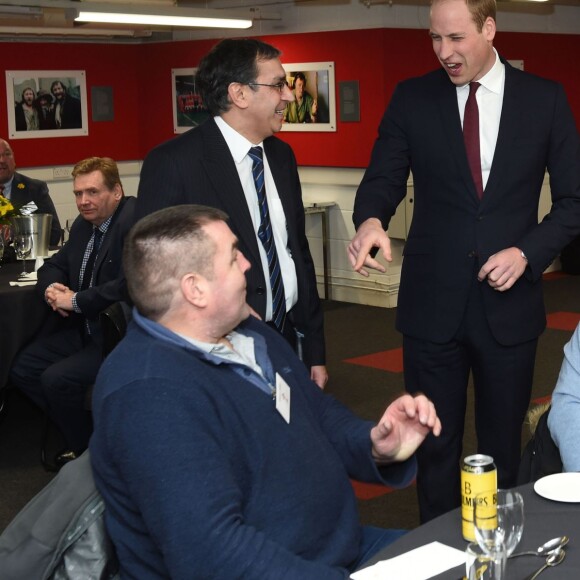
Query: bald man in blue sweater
(216, 454)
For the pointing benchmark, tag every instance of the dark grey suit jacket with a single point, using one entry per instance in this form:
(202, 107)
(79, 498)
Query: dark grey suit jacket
(25, 189)
(453, 234)
(197, 167)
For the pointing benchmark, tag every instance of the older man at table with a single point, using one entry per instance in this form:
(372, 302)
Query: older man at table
(215, 452)
(20, 189)
(77, 283)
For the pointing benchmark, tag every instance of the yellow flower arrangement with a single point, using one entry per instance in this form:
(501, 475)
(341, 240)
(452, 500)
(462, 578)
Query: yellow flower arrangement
(7, 210)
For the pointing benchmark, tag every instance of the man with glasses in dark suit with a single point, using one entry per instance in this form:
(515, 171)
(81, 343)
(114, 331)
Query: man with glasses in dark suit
(233, 162)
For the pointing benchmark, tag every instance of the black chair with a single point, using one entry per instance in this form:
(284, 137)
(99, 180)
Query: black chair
(540, 456)
(113, 321)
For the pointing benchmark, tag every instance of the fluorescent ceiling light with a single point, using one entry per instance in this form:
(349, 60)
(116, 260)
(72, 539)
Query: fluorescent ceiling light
(153, 16)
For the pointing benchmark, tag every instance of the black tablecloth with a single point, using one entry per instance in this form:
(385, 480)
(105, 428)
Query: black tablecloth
(22, 313)
(544, 519)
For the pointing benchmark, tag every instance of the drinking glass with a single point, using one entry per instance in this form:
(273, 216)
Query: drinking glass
(479, 565)
(1, 245)
(23, 247)
(498, 519)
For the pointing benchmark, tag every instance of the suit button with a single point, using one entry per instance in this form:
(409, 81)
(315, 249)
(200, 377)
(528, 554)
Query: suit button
(260, 290)
(472, 254)
(479, 218)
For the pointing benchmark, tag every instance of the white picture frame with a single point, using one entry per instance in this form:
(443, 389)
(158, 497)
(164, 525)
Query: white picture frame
(41, 83)
(320, 84)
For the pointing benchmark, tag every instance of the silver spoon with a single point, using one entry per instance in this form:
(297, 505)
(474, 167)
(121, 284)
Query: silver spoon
(546, 548)
(553, 559)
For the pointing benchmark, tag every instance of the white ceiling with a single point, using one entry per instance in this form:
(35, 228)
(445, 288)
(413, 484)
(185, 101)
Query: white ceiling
(29, 20)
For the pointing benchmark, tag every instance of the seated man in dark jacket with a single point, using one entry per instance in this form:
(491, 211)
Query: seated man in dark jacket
(216, 454)
(20, 190)
(77, 283)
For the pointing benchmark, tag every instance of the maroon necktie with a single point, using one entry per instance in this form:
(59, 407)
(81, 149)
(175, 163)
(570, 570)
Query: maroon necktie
(471, 137)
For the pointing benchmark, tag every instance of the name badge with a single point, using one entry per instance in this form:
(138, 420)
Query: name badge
(283, 398)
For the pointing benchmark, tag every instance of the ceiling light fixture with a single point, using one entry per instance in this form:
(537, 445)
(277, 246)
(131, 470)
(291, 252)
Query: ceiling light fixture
(154, 16)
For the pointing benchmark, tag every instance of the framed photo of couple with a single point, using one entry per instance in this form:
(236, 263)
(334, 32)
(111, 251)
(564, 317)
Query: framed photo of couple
(46, 104)
(314, 105)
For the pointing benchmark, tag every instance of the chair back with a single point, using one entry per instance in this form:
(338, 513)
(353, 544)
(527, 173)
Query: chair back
(114, 320)
(541, 456)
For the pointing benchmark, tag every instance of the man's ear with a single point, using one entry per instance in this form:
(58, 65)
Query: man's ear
(238, 93)
(118, 191)
(194, 289)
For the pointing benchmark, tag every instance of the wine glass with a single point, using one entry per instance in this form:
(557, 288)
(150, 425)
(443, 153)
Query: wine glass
(498, 519)
(23, 247)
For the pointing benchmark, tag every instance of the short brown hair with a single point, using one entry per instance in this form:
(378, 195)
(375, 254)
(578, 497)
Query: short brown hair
(106, 165)
(480, 10)
(161, 248)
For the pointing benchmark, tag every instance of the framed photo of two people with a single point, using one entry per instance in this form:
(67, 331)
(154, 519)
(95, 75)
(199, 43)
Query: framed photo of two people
(46, 104)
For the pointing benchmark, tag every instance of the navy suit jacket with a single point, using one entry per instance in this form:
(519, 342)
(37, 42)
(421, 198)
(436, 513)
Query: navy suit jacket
(197, 168)
(25, 189)
(109, 282)
(452, 233)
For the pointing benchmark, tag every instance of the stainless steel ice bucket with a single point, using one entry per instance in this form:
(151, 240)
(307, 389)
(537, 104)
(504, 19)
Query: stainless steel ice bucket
(38, 226)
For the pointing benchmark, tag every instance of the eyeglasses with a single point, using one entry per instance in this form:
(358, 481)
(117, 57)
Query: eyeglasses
(280, 86)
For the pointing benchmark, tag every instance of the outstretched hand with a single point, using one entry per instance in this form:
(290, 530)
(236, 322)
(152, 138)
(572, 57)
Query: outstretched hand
(369, 235)
(403, 427)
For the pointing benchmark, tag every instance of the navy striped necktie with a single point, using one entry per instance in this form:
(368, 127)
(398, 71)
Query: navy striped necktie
(471, 137)
(267, 239)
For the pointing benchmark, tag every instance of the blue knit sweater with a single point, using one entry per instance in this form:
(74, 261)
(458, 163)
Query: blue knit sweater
(201, 476)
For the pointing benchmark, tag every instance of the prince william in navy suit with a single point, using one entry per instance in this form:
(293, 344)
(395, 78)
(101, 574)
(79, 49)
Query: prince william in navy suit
(470, 299)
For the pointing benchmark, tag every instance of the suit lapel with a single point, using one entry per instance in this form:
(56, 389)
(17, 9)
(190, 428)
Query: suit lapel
(106, 241)
(451, 122)
(221, 171)
(508, 130)
(16, 195)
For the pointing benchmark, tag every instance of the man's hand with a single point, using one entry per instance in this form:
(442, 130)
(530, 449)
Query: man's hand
(403, 427)
(503, 269)
(59, 298)
(369, 235)
(319, 375)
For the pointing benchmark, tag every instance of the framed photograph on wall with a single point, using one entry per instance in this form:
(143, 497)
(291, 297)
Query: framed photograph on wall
(45, 104)
(188, 110)
(314, 108)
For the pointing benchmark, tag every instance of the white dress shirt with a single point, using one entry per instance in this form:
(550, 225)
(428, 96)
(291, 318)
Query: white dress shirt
(489, 98)
(239, 147)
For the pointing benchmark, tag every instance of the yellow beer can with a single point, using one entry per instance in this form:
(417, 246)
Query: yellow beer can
(478, 475)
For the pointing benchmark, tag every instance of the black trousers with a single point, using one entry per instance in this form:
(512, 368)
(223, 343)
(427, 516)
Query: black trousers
(55, 372)
(502, 378)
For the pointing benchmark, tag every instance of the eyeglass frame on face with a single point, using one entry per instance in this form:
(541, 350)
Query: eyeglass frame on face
(280, 86)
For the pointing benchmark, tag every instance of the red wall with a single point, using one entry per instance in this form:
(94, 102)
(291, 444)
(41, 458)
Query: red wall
(141, 80)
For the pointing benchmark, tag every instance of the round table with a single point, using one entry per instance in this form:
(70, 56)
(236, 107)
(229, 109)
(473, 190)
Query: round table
(544, 519)
(22, 313)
